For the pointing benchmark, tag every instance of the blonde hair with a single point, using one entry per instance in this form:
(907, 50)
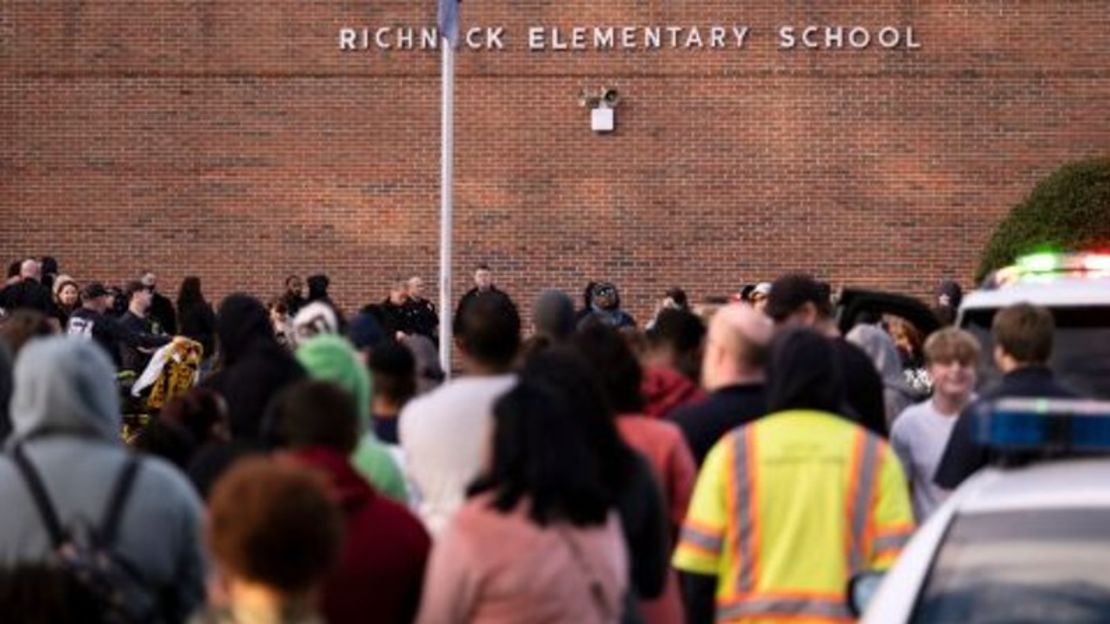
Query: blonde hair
(951, 344)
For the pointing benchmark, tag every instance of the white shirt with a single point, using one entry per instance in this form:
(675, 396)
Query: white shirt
(919, 436)
(444, 435)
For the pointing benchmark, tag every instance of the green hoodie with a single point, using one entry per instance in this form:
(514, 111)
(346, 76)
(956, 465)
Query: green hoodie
(330, 357)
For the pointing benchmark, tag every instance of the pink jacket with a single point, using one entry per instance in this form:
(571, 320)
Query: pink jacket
(491, 568)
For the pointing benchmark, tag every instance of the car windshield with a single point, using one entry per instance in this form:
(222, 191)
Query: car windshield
(1080, 350)
(1021, 566)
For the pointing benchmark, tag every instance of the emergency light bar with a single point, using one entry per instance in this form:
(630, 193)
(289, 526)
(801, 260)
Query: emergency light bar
(1048, 265)
(1045, 425)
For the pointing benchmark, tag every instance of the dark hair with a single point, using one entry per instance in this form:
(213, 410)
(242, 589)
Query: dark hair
(274, 523)
(793, 290)
(189, 294)
(803, 373)
(198, 411)
(168, 440)
(684, 333)
(317, 286)
(565, 370)
(132, 287)
(488, 329)
(21, 326)
(15, 268)
(393, 369)
(482, 266)
(314, 413)
(679, 297)
(536, 455)
(38, 593)
(1025, 332)
(615, 365)
(588, 295)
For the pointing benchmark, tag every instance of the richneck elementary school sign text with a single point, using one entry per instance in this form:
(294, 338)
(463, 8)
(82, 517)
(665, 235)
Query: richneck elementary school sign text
(631, 38)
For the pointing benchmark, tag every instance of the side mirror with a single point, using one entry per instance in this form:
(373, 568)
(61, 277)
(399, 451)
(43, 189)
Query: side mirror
(861, 589)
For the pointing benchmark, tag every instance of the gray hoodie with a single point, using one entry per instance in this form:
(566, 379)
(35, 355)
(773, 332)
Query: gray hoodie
(879, 346)
(65, 412)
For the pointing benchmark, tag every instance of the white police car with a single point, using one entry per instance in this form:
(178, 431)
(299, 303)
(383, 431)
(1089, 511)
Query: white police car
(1028, 543)
(1076, 289)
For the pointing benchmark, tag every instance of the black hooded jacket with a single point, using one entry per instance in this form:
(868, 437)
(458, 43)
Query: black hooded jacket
(803, 373)
(254, 367)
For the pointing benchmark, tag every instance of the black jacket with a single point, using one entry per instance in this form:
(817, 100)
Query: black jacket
(130, 356)
(110, 333)
(964, 455)
(198, 322)
(254, 367)
(163, 314)
(423, 318)
(704, 423)
(28, 293)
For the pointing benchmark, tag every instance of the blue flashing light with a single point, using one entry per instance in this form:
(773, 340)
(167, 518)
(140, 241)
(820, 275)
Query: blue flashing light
(1045, 425)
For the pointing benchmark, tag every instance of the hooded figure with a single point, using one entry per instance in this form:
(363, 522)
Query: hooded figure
(879, 346)
(605, 306)
(66, 419)
(553, 315)
(254, 366)
(803, 373)
(329, 357)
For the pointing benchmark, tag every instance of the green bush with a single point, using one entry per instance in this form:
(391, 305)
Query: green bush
(1069, 210)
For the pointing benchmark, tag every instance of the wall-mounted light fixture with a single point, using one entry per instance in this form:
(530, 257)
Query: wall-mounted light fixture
(602, 104)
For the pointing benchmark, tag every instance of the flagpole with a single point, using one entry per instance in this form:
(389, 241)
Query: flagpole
(447, 186)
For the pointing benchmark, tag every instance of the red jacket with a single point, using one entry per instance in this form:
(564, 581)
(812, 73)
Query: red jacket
(384, 553)
(665, 389)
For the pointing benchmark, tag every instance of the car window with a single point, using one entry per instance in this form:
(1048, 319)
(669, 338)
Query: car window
(1021, 566)
(1080, 351)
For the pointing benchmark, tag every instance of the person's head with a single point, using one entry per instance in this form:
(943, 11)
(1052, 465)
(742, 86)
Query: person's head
(487, 331)
(149, 280)
(676, 341)
(414, 287)
(241, 322)
(949, 294)
(803, 373)
(952, 359)
(95, 296)
(201, 412)
(907, 338)
(273, 526)
(760, 295)
(138, 296)
(14, 269)
(483, 277)
(676, 298)
(318, 286)
(65, 385)
(315, 319)
(1022, 336)
(330, 357)
(30, 269)
(605, 297)
(66, 291)
(22, 326)
(189, 294)
(573, 377)
(393, 369)
(315, 413)
(553, 315)
(735, 346)
(398, 292)
(294, 285)
(536, 456)
(365, 332)
(799, 299)
(615, 366)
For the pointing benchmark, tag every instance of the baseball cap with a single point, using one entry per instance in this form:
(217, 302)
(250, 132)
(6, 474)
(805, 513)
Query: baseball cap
(94, 290)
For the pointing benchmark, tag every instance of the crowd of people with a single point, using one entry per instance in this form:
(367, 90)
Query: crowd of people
(733, 461)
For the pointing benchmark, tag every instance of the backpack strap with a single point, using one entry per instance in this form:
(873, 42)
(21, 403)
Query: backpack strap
(110, 524)
(39, 496)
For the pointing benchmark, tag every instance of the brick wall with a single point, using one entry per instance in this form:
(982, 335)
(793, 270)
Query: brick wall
(235, 141)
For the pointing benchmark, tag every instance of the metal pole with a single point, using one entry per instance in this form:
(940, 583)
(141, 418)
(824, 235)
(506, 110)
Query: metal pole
(447, 186)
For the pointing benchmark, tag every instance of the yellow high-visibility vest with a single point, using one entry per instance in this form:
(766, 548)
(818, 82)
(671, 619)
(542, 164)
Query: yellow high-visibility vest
(789, 507)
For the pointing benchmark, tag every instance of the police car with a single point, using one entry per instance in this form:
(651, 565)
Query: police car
(1076, 289)
(1027, 543)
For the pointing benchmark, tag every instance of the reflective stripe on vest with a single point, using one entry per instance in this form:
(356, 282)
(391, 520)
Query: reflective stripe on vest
(744, 508)
(861, 492)
(700, 539)
(770, 606)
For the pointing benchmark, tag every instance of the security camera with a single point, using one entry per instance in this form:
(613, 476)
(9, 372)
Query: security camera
(610, 97)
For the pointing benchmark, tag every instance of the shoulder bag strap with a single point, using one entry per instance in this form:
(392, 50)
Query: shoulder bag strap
(110, 525)
(39, 496)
